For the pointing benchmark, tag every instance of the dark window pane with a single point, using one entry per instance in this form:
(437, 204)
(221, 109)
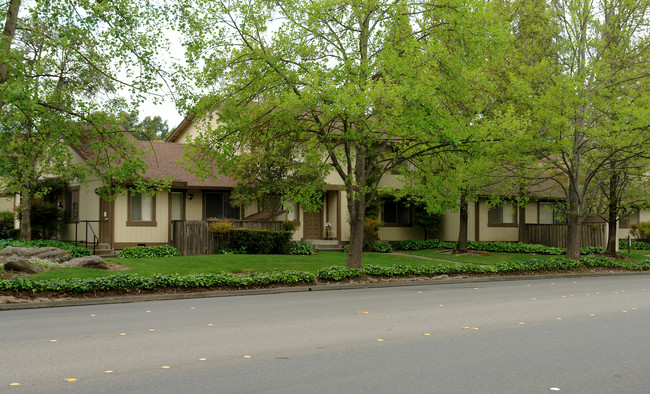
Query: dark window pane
(390, 211)
(214, 205)
(496, 215)
(217, 205)
(396, 212)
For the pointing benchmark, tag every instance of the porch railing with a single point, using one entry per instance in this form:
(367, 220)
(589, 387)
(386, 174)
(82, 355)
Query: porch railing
(88, 226)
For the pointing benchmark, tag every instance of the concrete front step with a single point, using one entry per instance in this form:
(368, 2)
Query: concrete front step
(325, 245)
(320, 249)
(322, 241)
(103, 246)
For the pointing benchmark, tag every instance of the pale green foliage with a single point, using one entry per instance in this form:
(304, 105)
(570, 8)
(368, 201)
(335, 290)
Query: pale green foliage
(364, 86)
(578, 111)
(275, 177)
(61, 62)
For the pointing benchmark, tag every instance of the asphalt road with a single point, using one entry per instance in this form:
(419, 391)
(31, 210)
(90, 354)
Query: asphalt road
(588, 335)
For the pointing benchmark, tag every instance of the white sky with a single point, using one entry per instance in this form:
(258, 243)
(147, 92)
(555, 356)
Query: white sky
(167, 111)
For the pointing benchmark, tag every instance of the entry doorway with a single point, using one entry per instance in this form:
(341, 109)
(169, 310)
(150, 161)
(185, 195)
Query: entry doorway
(106, 221)
(313, 225)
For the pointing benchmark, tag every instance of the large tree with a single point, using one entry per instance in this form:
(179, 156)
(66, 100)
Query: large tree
(579, 97)
(62, 64)
(364, 83)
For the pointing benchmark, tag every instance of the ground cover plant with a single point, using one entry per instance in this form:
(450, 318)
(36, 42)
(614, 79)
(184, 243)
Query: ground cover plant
(510, 247)
(130, 282)
(301, 248)
(145, 252)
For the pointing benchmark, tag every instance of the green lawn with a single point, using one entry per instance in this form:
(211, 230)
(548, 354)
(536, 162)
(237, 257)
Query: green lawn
(490, 259)
(264, 263)
(235, 263)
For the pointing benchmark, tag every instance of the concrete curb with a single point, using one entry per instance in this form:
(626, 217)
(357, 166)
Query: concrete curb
(296, 289)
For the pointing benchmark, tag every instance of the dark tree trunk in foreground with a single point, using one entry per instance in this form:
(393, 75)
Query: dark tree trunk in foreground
(355, 248)
(574, 226)
(25, 213)
(522, 236)
(461, 245)
(613, 214)
(357, 210)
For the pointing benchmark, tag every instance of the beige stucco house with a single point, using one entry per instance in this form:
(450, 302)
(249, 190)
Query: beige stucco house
(132, 220)
(501, 223)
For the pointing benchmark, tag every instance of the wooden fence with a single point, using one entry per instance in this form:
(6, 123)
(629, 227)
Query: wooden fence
(192, 237)
(556, 234)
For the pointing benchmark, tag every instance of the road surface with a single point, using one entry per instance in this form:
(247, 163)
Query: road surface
(585, 335)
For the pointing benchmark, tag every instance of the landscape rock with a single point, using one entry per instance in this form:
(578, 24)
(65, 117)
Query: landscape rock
(54, 254)
(95, 262)
(21, 265)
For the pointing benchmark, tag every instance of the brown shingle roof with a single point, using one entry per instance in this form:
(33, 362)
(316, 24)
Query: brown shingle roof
(162, 161)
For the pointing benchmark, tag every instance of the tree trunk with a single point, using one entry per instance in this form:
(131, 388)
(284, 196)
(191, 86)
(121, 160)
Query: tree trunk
(612, 233)
(461, 245)
(574, 224)
(355, 248)
(522, 236)
(357, 211)
(25, 213)
(612, 219)
(8, 34)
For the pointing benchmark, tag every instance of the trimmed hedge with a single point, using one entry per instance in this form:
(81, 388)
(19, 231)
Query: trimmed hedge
(505, 247)
(260, 241)
(75, 251)
(147, 252)
(334, 273)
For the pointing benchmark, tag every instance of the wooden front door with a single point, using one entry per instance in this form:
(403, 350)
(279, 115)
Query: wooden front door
(106, 222)
(312, 225)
